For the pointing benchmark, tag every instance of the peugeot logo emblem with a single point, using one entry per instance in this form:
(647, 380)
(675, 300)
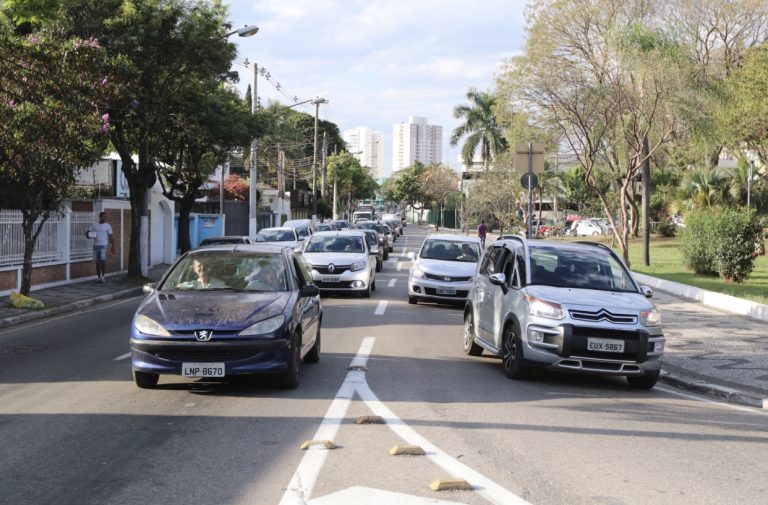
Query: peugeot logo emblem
(203, 335)
(331, 268)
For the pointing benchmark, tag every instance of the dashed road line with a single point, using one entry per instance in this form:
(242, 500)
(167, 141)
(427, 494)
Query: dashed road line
(123, 356)
(381, 308)
(391, 283)
(305, 477)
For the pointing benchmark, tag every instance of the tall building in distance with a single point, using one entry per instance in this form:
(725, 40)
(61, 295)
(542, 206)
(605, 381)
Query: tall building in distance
(368, 147)
(416, 141)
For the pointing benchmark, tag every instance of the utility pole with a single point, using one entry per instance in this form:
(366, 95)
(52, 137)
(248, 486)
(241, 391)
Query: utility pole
(325, 149)
(335, 213)
(253, 213)
(317, 102)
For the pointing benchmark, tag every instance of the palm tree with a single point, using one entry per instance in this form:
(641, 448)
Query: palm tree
(480, 128)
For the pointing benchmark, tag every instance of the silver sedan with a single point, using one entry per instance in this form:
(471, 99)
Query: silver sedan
(444, 268)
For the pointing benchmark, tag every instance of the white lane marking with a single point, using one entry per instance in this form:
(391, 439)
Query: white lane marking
(675, 392)
(123, 356)
(399, 266)
(381, 308)
(482, 485)
(411, 254)
(305, 477)
(306, 474)
(391, 283)
(404, 248)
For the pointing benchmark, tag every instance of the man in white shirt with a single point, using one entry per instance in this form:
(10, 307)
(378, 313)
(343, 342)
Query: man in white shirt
(101, 232)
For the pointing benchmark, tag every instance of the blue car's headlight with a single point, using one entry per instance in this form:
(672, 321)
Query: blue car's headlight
(149, 326)
(265, 326)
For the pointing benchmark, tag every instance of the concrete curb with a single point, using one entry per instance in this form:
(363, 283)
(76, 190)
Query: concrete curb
(715, 391)
(68, 307)
(709, 298)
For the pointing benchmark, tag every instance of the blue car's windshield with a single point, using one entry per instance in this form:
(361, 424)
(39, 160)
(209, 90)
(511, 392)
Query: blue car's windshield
(217, 270)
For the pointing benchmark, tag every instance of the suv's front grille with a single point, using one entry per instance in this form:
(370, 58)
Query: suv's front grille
(603, 315)
(635, 346)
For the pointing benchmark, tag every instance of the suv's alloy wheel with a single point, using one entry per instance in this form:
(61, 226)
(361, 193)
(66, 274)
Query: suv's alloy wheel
(512, 354)
(470, 347)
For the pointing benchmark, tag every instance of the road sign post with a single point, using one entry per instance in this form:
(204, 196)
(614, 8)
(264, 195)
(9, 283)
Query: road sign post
(531, 156)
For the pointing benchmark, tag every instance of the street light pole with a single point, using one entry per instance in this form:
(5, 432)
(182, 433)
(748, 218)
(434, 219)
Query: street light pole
(317, 102)
(749, 182)
(253, 200)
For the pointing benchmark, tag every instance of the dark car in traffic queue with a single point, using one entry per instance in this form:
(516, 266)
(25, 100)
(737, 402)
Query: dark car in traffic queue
(381, 233)
(228, 310)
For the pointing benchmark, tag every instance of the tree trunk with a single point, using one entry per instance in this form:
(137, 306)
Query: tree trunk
(646, 204)
(185, 208)
(30, 237)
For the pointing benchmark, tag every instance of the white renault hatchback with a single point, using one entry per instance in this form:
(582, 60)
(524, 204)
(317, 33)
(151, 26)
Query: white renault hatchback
(342, 261)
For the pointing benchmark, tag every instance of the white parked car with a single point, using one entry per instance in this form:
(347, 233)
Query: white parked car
(284, 235)
(342, 261)
(587, 228)
(443, 270)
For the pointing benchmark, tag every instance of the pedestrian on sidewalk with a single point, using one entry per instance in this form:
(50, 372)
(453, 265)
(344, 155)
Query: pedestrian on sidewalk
(101, 232)
(482, 231)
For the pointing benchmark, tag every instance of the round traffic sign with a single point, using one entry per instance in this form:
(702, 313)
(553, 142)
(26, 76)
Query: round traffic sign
(529, 181)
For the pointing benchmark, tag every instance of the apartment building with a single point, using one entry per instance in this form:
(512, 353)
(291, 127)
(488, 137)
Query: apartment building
(367, 146)
(415, 140)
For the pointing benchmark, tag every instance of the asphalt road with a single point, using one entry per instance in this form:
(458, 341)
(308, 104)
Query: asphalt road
(75, 430)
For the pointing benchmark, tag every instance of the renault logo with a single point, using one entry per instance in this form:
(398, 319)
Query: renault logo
(331, 268)
(203, 335)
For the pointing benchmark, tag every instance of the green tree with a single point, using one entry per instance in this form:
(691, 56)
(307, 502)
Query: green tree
(480, 128)
(53, 97)
(156, 47)
(210, 122)
(438, 185)
(407, 188)
(353, 181)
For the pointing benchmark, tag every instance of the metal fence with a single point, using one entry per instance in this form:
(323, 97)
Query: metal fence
(59, 233)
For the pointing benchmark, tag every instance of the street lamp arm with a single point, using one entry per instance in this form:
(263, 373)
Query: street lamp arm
(245, 31)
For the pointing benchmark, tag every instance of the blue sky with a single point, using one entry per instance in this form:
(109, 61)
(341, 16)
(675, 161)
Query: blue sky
(379, 62)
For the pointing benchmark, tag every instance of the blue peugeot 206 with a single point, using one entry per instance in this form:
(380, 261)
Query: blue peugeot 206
(228, 310)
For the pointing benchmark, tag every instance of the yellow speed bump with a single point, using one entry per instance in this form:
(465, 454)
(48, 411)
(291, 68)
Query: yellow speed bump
(450, 485)
(407, 450)
(370, 420)
(326, 443)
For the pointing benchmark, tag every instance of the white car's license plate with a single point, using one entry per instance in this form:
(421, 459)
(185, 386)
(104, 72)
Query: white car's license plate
(331, 278)
(445, 291)
(202, 369)
(605, 345)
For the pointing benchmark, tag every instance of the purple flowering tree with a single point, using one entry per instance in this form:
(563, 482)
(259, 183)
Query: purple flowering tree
(53, 98)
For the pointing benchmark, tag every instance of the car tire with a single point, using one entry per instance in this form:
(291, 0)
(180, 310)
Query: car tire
(367, 292)
(391, 248)
(145, 380)
(646, 381)
(412, 300)
(470, 347)
(512, 354)
(313, 356)
(290, 378)
(373, 284)
(386, 253)
(378, 265)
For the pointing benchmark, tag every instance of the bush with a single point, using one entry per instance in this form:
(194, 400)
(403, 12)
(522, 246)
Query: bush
(667, 229)
(697, 239)
(721, 243)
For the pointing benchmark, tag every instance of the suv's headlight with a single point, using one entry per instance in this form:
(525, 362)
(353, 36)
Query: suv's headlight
(543, 308)
(149, 326)
(650, 317)
(265, 326)
(359, 265)
(418, 273)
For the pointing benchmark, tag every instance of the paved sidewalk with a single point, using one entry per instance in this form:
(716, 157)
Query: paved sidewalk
(709, 351)
(75, 296)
